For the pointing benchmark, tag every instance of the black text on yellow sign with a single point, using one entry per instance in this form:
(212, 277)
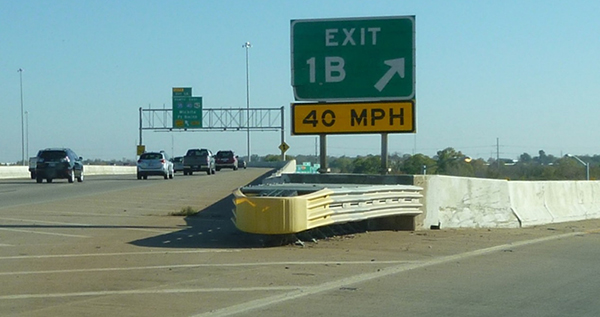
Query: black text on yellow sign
(360, 117)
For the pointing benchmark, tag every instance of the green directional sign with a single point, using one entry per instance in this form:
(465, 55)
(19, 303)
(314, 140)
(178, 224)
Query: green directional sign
(187, 110)
(182, 92)
(353, 59)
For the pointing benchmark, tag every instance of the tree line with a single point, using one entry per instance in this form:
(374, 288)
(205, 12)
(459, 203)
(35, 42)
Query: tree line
(452, 162)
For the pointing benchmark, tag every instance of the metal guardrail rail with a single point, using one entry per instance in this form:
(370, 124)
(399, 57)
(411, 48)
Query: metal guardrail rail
(294, 208)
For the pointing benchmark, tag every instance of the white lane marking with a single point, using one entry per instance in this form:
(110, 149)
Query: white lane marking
(299, 291)
(328, 286)
(181, 266)
(34, 221)
(151, 292)
(46, 233)
(50, 256)
(87, 225)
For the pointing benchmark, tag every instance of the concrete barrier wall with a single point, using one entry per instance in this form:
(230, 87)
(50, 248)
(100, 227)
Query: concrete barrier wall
(7, 172)
(460, 202)
(109, 170)
(529, 203)
(555, 201)
(457, 202)
(14, 172)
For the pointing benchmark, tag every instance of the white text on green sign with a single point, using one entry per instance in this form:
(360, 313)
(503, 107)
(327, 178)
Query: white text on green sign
(353, 59)
(187, 112)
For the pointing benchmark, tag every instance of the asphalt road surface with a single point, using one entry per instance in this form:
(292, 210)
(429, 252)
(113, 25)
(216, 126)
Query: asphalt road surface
(111, 246)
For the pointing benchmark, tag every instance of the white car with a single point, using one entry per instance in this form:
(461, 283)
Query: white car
(177, 163)
(154, 163)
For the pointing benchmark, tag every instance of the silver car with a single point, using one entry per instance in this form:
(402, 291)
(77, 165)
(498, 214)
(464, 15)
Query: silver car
(154, 163)
(177, 163)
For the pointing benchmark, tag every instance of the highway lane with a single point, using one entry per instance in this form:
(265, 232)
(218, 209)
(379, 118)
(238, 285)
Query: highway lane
(550, 276)
(25, 191)
(109, 247)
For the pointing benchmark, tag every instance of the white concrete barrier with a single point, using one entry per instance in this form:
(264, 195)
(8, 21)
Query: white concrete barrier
(455, 202)
(14, 172)
(7, 172)
(460, 202)
(555, 201)
(109, 170)
(528, 202)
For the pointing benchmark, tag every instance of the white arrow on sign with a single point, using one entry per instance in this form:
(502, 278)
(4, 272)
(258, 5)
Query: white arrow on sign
(396, 66)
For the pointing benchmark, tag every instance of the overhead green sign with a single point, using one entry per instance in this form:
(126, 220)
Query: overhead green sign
(353, 59)
(187, 110)
(182, 92)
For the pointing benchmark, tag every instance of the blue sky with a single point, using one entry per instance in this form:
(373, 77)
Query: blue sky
(523, 72)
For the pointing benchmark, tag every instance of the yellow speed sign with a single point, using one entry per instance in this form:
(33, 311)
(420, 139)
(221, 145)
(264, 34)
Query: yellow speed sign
(358, 117)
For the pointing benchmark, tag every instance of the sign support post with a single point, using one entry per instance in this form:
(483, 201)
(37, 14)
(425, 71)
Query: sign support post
(282, 133)
(384, 154)
(323, 153)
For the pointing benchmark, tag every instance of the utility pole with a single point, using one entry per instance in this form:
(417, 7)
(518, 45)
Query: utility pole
(498, 153)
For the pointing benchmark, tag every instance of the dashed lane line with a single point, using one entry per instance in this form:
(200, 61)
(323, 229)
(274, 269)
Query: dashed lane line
(45, 233)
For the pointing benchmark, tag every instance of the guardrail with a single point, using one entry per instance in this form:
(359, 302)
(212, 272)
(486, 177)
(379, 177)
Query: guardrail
(294, 208)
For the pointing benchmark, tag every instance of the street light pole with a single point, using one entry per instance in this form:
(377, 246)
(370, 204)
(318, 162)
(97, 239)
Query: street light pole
(26, 134)
(20, 71)
(587, 165)
(247, 46)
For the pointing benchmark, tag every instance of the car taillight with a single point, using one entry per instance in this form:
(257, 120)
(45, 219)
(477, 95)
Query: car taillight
(162, 161)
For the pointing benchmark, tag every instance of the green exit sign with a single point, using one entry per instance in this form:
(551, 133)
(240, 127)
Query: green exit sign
(187, 110)
(353, 59)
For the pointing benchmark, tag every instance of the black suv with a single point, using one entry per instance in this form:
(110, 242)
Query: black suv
(59, 163)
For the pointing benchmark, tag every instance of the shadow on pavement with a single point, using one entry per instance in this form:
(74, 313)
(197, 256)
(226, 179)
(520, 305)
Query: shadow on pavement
(210, 228)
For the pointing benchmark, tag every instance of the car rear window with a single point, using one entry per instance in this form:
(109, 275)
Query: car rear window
(225, 154)
(151, 156)
(197, 152)
(53, 155)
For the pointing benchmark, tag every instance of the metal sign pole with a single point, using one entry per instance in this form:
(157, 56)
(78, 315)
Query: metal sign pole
(282, 133)
(140, 126)
(384, 153)
(323, 155)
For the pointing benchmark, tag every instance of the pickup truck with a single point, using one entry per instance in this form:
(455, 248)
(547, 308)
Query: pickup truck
(198, 160)
(32, 165)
